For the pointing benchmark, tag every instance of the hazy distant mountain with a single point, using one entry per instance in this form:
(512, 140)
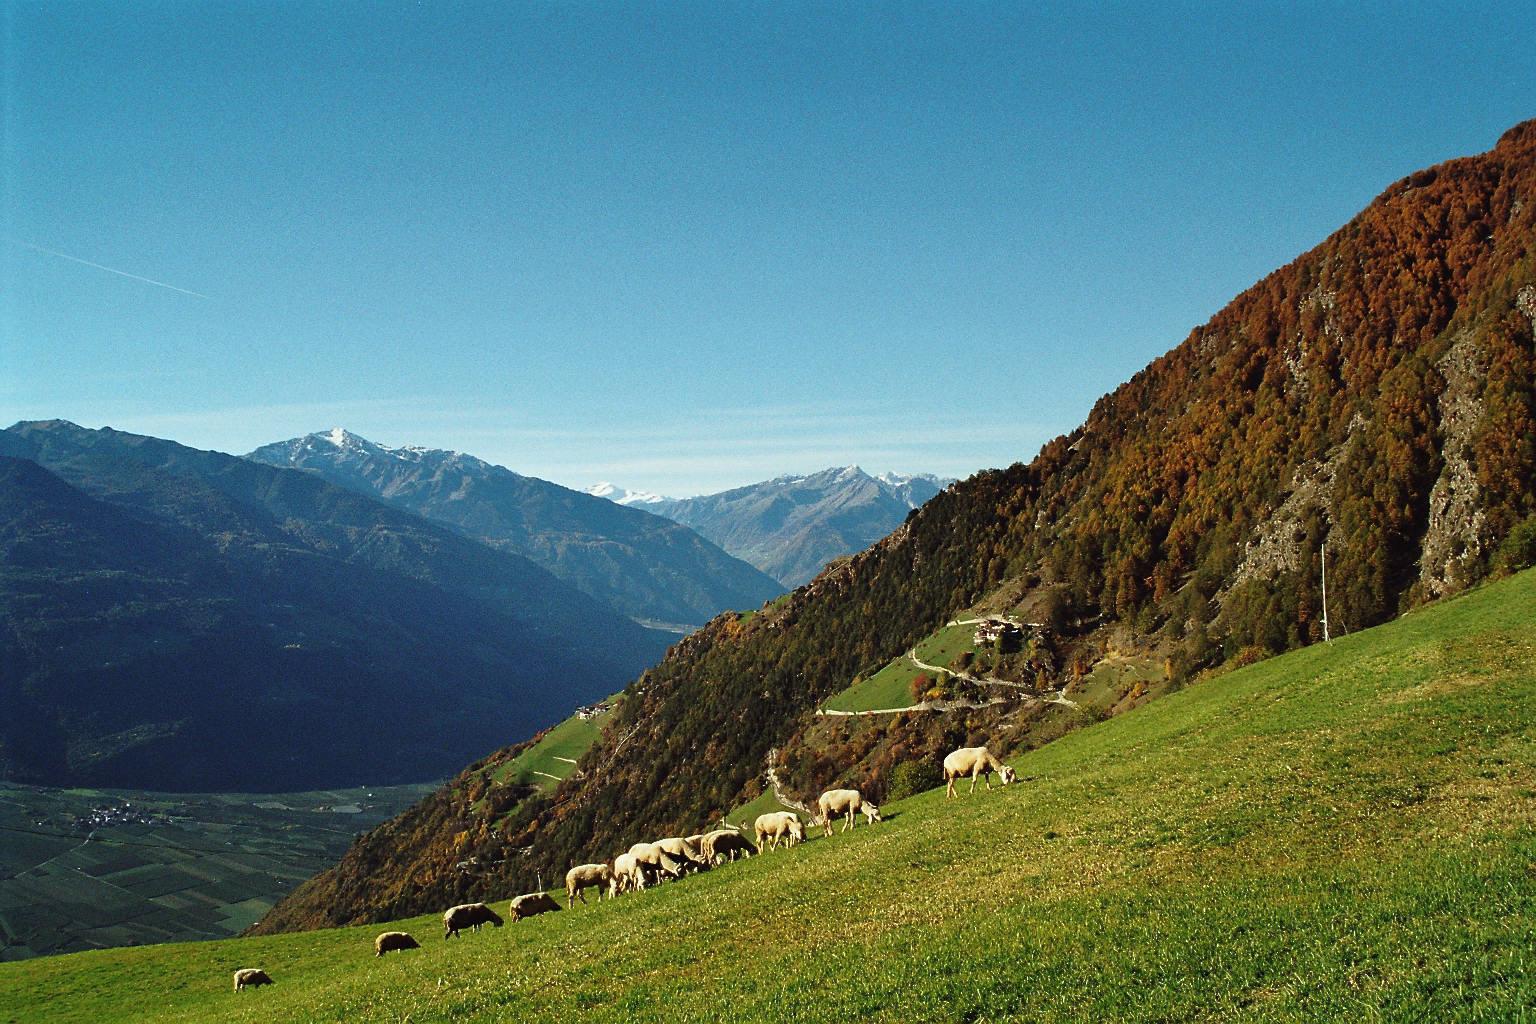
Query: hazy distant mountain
(793, 526)
(181, 619)
(645, 566)
(620, 496)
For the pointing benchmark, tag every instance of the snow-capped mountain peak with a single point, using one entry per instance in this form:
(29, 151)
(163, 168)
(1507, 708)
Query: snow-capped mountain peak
(623, 496)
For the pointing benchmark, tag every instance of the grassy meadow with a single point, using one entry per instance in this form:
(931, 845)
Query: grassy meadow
(555, 755)
(1347, 832)
(891, 686)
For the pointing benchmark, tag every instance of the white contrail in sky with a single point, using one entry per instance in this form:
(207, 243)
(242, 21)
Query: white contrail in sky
(110, 270)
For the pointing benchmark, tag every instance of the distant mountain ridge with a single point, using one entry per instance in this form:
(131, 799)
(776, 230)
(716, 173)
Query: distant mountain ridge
(790, 527)
(645, 566)
(181, 619)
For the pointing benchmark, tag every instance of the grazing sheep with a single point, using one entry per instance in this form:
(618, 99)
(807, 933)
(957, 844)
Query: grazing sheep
(778, 825)
(838, 802)
(683, 850)
(725, 842)
(585, 876)
(532, 904)
(628, 874)
(388, 942)
(251, 977)
(653, 858)
(974, 761)
(622, 875)
(468, 915)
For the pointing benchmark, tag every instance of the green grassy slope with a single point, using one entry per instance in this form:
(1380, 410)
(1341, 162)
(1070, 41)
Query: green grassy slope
(891, 686)
(556, 753)
(1344, 833)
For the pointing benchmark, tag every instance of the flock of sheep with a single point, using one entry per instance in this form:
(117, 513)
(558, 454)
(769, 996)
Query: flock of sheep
(646, 864)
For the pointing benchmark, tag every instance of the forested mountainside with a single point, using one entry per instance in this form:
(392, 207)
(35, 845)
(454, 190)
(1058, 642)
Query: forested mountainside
(643, 565)
(180, 619)
(792, 526)
(1376, 395)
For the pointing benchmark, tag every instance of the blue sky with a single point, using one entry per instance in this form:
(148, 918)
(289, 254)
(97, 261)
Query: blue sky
(682, 246)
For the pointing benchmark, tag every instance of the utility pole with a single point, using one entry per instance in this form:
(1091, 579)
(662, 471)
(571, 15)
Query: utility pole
(1326, 638)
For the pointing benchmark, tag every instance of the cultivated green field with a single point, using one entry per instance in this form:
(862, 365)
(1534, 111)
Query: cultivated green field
(87, 868)
(891, 686)
(554, 757)
(943, 645)
(1347, 833)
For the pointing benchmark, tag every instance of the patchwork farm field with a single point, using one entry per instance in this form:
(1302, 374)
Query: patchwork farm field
(1344, 833)
(83, 869)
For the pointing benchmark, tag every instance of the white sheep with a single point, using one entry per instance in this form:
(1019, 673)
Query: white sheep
(776, 825)
(586, 876)
(653, 859)
(532, 904)
(725, 842)
(389, 942)
(627, 876)
(251, 977)
(466, 916)
(684, 850)
(974, 761)
(839, 802)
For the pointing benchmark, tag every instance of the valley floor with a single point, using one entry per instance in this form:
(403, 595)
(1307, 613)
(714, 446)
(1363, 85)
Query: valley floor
(88, 868)
(1347, 832)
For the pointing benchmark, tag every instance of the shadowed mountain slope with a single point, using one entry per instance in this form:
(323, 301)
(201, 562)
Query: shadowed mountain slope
(180, 619)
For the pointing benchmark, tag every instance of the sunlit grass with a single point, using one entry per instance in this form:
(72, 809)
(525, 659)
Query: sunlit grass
(1344, 833)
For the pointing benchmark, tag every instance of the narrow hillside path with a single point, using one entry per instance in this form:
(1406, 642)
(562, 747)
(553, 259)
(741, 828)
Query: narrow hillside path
(960, 673)
(778, 791)
(1050, 697)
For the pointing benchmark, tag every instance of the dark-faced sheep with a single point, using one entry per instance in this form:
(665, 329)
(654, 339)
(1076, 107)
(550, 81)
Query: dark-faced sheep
(585, 876)
(390, 942)
(725, 842)
(776, 825)
(837, 803)
(532, 904)
(466, 916)
(251, 977)
(974, 761)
